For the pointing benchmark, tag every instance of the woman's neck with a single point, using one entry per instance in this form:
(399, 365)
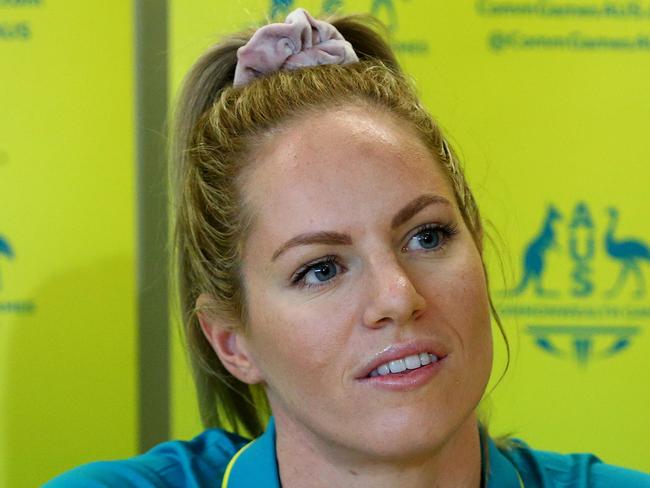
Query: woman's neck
(305, 461)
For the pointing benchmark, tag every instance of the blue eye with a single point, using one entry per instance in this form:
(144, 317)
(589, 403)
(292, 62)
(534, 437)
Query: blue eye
(323, 271)
(430, 237)
(317, 273)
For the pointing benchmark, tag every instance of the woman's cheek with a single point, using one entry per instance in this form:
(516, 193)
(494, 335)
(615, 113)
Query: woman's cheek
(295, 341)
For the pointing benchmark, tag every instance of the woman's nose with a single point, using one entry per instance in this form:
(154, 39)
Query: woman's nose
(393, 297)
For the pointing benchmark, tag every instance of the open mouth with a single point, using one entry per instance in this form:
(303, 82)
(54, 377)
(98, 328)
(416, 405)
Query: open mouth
(403, 366)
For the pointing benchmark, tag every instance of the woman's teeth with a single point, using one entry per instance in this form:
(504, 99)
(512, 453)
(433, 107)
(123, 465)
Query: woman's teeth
(400, 365)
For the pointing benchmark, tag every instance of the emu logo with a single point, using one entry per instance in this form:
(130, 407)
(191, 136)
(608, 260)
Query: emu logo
(6, 252)
(629, 253)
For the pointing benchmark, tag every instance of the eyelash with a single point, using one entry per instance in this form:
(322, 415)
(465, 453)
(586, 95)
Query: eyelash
(448, 231)
(298, 278)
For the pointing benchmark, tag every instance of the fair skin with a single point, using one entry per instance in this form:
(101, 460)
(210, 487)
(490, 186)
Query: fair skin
(357, 254)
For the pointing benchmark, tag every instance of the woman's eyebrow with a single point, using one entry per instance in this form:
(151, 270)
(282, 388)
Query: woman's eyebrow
(324, 237)
(414, 206)
(337, 238)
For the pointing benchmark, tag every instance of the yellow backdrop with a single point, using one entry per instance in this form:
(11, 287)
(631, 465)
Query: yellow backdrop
(67, 274)
(547, 103)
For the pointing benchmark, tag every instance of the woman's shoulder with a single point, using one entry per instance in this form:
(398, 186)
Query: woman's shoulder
(198, 462)
(552, 469)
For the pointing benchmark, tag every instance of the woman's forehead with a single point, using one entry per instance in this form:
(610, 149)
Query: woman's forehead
(338, 144)
(346, 169)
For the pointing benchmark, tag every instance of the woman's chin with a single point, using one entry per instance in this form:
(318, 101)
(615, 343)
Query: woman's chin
(404, 438)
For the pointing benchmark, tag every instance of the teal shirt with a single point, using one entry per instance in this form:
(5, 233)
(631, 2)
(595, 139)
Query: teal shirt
(220, 459)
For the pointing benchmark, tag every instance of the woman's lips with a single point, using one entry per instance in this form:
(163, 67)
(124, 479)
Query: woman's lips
(403, 365)
(406, 380)
(401, 357)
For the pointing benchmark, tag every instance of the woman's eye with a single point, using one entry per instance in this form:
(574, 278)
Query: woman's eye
(317, 273)
(429, 238)
(324, 271)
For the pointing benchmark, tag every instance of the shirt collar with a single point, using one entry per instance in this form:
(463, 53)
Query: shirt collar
(501, 473)
(255, 465)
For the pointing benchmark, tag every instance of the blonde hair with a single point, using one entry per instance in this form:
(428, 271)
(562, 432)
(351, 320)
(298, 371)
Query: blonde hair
(215, 131)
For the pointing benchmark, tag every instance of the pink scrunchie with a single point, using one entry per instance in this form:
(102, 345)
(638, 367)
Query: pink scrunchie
(300, 42)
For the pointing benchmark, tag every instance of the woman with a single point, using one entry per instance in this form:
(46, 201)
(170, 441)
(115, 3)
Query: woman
(330, 258)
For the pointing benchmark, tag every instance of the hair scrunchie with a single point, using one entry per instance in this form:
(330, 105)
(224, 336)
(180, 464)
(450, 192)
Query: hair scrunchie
(300, 42)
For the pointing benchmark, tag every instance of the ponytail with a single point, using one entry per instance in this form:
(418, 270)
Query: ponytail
(223, 400)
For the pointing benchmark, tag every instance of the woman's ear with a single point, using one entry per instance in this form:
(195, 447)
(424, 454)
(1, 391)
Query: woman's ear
(228, 342)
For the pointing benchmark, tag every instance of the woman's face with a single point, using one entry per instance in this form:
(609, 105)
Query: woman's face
(358, 256)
